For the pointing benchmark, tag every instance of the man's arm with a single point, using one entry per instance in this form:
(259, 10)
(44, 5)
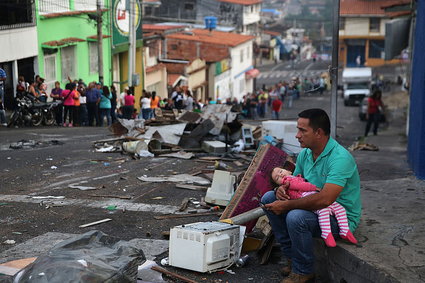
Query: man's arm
(324, 198)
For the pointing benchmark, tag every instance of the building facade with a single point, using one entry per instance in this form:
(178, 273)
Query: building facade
(67, 41)
(243, 15)
(362, 33)
(215, 46)
(19, 49)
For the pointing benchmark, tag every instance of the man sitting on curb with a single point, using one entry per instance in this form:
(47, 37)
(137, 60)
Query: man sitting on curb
(332, 169)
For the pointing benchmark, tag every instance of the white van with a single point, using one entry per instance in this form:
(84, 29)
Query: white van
(356, 84)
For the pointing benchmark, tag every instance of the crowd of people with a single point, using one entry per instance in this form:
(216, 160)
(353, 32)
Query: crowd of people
(96, 104)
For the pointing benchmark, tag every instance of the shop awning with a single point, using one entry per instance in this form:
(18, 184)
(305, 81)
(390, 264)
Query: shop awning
(61, 43)
(253, 73)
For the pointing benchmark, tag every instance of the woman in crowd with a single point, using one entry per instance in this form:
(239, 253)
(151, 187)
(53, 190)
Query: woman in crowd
(68, 102)
(105, 105)
(154, 103)
(114, 101)
(145, 106)
(56, 94)
(375, 109)
(128, 108)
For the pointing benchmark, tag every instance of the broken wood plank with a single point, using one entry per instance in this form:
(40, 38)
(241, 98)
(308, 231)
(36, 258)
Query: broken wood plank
(184, 204)
(172, 216)
(109, 140)
(111, 196)
(191, 187)
(196, 173)
(210, 158)
(95, 223)
(173, 274)
(238, 163)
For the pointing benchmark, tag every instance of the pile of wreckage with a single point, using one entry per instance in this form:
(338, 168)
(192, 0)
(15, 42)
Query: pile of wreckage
(181, 134)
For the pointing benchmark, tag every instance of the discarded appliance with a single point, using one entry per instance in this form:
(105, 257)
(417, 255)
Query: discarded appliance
(212, 245)
(214, 146)
(247, 136)
(285, 130)
(221, 190)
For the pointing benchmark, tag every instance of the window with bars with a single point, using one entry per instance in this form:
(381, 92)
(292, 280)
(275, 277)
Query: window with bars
(93, 60)
(68, 62)
(374, 24)
(50, 70)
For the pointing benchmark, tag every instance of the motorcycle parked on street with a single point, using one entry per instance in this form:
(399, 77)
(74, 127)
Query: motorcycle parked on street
(29, 111)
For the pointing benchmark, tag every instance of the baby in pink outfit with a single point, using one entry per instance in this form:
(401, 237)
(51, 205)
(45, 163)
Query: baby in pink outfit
(298, 188)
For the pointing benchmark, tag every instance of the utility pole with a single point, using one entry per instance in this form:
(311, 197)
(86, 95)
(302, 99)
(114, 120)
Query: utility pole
(131, 42)
(334, 67)
(99, 40)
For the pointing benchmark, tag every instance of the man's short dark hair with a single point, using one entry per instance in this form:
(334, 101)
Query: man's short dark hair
(318, 119)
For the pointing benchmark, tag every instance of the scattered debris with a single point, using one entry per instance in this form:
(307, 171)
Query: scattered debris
(181, 178)
(172, 216)
(53, 167)
(48, 197)
(172, 274)
(24, 144)
(111, 196)
(181, 154)
(146, 274)
(157, 198)
(184, 204)
(9, 242)
(362, 146)
(191, 187)
(95, 223)
(81, 188)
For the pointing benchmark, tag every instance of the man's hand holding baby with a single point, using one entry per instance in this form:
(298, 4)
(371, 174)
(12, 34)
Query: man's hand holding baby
(281, 191)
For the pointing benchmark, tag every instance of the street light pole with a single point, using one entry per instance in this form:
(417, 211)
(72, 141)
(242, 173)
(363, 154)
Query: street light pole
(334, 67)
(131, 43)
(99, 40)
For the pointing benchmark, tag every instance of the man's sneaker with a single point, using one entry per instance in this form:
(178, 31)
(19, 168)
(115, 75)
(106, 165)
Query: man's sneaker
(299, 278)
(70, 125)
(286, 269)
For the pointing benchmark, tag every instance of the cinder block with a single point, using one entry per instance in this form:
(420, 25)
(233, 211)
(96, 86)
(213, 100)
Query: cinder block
(214, 146)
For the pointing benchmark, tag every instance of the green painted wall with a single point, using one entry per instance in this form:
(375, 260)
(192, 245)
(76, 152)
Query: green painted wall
(79, 26)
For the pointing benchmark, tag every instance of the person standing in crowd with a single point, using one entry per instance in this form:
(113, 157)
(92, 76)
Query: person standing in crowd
(189, 101)
(42, 87)
(56, 94)
(21, 87)
(2, 114)
(375, 108)
(177, 98)
(290, 95)
(332, 169)
(83, 103)
(128, 106)
(76, 110)
(154, 103)
(145, 106)
(105, 106)
(3, 77)
(276, 108)
(93, 100)
(68, 103)
(114, 101)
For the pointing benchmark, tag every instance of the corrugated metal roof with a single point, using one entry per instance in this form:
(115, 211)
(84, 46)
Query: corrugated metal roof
(365, 7)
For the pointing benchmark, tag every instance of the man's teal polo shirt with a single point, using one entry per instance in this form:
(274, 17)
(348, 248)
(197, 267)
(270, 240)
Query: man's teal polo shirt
(335, 165)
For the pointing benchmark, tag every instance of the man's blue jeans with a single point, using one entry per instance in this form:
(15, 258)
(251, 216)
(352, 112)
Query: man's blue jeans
(294, 231)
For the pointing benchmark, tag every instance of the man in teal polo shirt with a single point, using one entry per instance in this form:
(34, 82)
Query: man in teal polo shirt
(332, 169)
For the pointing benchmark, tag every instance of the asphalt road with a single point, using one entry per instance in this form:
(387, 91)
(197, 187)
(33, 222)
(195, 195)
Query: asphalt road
(66, 156)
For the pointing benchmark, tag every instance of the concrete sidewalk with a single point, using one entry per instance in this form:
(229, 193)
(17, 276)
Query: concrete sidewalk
(392, 230)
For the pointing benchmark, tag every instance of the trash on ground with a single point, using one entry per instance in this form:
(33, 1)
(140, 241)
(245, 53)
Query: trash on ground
(82, 188)
(181, 178)
(95, 223)
(363, 146)
(9, 242)
(181, 154)
(146, 275)
(109, 260)
(48, 197)
(25, 144)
